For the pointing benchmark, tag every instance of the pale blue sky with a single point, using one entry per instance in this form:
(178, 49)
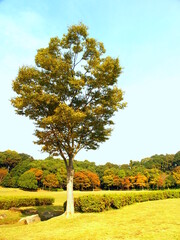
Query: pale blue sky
(144, 34)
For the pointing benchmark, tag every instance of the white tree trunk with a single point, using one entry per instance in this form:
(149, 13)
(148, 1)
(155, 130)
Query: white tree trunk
(70, 197)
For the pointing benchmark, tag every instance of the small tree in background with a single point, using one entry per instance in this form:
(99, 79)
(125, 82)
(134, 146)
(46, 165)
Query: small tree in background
(62, 177)
(125, 183)
(81, 181)
(140, 181)
(94, 179)
(3, 173)
(50, 181)
(176, 175)
(9, 159)
(28, 181)
(116, 182)
(71, 95)
(38, 174)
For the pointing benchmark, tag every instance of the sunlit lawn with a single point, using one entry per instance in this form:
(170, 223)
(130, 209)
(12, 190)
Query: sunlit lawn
(60, 197)
(156, 220)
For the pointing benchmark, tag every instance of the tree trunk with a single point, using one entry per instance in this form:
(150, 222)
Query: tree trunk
(70, 198)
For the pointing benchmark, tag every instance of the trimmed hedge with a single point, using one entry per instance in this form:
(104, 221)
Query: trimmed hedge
(8, 202)
(99, 203)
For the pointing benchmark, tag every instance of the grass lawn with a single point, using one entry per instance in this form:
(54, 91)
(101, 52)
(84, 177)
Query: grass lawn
(156, 220)
(60, 197)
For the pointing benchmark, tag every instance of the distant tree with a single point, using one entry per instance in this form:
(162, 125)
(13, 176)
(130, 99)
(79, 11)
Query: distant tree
(121, 173)
(170, 181)
(153, 177)
(94, 179)
(25, 156)
(140, 181)
(62, 177)
(176, 175)
(3, 173)
(7, 181)
(126, 168)
(84, 165)
(167, 165)
(100, 171)
(50, 181)
(176, 160)
(108, 179)
(161, 182)
(38, 174)
(155, 161)
(132, 180)
(9, 159)
(21, 168)
(116, 182)
(28, 181)
(81, 181)
(71, 95)
(125, 183)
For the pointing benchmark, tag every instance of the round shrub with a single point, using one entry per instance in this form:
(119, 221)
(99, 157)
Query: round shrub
(28, 181)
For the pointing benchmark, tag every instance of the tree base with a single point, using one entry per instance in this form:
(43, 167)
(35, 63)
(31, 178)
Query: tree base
(70, 216)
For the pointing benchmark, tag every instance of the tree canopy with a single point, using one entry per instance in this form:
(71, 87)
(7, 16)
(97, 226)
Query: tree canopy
(71, 94)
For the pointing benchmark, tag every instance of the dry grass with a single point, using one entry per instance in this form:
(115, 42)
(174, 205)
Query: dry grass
(9, 217)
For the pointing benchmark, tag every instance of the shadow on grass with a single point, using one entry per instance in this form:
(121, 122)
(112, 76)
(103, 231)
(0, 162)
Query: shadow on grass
(44, 212)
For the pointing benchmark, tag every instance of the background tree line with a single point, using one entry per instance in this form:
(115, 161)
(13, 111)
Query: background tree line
(155, 172)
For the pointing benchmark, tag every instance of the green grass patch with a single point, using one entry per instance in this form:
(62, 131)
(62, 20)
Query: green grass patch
(60, 197)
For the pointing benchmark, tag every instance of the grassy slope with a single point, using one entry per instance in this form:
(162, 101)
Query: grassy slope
(158, 220)
(146, 221)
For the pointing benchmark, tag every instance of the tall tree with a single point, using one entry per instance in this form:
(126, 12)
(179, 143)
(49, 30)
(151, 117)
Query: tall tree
(71, 95)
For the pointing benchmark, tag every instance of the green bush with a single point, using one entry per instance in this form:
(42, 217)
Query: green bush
(94, 203)
(28, 181)
(9, 202)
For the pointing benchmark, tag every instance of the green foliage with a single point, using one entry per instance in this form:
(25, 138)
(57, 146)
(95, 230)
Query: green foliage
(176, 160)
(9, 159)
(176, 176)
(28, 181)
(20, 168)
(108, 181)
(71, 94)
(85, 165)
(99, 203)
(6, 181)
(90, 203)
(9, 202)
(62, 177)
(127, 176)
(10, 181)
(161, 162)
